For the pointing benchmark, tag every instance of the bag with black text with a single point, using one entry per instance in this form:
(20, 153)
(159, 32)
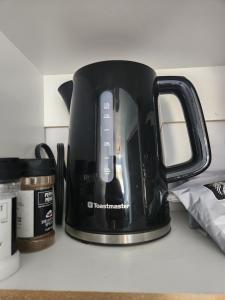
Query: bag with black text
(204, 198)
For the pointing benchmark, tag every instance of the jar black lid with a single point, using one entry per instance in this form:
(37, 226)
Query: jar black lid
(38, 167)
(10, 169)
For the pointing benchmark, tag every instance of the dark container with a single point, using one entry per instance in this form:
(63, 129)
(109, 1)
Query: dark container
(35, 213)
(116, 179)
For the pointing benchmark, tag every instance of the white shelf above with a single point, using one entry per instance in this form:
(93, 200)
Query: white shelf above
(183, 261)
(60, 36)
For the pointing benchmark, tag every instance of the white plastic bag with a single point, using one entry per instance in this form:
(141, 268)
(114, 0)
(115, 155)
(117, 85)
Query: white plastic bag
(204, 198)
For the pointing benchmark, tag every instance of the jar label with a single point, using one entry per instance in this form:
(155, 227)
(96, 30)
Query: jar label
(35, 213)
(43, 213)
(7, 227)
(25, 214)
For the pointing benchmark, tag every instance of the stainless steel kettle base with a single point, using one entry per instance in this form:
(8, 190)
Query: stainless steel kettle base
(118, 239)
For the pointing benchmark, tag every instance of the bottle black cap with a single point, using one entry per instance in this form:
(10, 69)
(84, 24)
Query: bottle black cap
(10, 169)
(38, 167)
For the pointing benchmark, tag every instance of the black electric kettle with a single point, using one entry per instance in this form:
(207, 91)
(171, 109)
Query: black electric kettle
(116, 179)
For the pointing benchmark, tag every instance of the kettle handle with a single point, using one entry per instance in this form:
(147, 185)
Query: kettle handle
(197, 131)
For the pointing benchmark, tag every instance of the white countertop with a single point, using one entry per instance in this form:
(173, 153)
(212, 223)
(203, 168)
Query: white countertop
(183, 261)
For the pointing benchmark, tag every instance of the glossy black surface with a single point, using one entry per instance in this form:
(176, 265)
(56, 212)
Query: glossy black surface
(116, 181)
(66, 90)
(198, 136)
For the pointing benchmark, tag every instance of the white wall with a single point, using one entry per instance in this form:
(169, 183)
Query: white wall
(55, 111)
(210, 85)
(21, 102)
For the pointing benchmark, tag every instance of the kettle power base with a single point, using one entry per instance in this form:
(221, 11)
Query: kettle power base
(118, 239)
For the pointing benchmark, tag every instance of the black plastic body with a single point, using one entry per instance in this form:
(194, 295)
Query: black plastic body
(66, 90)
(37, 167)
(131, 196)
(10, 169)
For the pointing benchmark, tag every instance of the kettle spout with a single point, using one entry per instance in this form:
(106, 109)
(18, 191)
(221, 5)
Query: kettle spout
(66, 90)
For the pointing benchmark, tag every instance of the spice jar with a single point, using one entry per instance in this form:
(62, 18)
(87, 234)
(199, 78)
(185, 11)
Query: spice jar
(35, 218)
(10, 173)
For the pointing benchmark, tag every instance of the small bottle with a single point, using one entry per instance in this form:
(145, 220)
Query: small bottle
(10, 174)
(35, 216)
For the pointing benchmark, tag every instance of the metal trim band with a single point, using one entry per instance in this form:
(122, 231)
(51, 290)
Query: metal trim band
(37, 182)
(118, 239)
